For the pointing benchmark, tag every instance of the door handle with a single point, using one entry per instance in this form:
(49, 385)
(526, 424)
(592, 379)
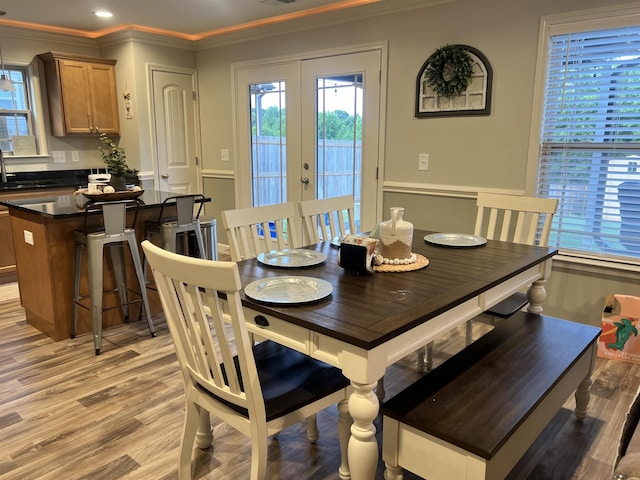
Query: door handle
(304, 180)
(165, 175)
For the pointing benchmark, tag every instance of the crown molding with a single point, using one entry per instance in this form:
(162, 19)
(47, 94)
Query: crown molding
(128, 36)
(41, 36)
(361, 12)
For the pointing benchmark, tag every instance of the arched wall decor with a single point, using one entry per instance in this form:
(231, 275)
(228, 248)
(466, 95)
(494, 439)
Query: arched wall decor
(474, 100)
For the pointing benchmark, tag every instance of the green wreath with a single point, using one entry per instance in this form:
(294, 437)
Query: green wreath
(449, 70)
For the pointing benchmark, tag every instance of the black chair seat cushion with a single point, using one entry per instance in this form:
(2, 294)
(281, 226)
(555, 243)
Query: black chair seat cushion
(289, 379)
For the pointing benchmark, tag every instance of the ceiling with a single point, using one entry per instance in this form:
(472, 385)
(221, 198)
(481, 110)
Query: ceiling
(188, 19)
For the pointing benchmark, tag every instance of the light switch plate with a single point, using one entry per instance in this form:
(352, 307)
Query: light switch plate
(423, 161)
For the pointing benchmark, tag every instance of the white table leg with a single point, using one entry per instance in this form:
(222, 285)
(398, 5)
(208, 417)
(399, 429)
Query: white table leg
(344, 433)
(582, 396)
(536, 295)
(363, 446)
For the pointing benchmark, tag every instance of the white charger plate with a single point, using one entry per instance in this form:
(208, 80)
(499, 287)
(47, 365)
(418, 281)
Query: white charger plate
(293, 258)
(288, 290)
(455, 240)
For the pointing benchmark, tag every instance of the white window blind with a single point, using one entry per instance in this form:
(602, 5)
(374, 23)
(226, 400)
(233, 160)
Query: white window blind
(590, 141)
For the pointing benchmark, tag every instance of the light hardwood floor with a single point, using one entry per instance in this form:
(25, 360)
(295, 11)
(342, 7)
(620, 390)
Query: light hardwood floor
(66, 413)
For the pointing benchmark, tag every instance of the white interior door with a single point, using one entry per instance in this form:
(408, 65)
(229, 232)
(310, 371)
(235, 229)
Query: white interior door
(174, 115)
(309, 129)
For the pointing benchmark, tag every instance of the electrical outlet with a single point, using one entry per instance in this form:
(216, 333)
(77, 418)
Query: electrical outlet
(224, 155)
(28, 237)
(423, 161)
(59, 156)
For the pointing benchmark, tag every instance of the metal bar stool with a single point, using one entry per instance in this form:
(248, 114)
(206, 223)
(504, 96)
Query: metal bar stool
(115, 235)
(184, 224)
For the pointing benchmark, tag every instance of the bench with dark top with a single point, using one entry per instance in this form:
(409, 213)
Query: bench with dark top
(475, 415)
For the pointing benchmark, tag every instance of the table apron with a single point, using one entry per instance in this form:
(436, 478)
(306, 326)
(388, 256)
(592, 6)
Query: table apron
(367, 366)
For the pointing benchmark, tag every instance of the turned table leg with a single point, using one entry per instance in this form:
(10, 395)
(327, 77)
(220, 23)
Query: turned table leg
(536, 295)
(363, 446)
(582, 396)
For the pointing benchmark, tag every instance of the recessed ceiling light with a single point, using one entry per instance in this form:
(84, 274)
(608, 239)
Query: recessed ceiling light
(103, 14)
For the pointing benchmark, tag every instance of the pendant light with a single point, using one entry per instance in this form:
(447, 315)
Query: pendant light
(5, 83)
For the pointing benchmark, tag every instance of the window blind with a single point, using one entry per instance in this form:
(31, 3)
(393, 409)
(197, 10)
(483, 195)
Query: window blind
(590, 141)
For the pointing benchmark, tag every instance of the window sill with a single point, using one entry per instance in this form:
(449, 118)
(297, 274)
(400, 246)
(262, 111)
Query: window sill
(610, 266)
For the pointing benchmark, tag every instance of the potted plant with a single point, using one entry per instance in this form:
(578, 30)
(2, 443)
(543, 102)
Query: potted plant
(114, 156)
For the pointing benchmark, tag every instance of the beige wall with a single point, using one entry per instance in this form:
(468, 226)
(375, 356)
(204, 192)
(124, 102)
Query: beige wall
(467, 153)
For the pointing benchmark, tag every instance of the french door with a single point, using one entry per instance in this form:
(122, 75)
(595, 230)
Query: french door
(310, 129)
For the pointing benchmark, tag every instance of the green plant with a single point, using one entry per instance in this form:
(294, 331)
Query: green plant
(449, 70)
(114, 156)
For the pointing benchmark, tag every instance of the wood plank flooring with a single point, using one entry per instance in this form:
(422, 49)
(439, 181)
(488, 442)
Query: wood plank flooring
(66, 413)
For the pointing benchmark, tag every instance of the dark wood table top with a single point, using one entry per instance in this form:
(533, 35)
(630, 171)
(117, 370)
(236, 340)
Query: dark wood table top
(369, 310)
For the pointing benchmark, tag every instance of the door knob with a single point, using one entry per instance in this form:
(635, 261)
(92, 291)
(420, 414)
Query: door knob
(165, 175)
(304, 180)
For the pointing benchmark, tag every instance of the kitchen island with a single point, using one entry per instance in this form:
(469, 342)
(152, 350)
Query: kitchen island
(42, 231)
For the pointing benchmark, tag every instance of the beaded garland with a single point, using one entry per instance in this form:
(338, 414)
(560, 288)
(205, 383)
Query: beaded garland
(380, 260)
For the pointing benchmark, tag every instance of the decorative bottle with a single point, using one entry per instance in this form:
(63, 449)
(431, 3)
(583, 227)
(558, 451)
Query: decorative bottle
(396, 236)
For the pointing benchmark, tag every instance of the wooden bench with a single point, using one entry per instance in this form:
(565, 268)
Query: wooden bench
(474, 416)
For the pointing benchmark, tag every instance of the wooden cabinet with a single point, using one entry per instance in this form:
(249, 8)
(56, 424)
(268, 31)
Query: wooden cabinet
(82, 94)
(7, 252)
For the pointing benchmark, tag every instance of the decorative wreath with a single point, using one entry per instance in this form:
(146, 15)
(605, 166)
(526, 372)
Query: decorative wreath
(449, 70)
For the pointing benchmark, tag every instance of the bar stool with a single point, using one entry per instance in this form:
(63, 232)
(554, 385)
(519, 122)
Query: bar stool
(115, 235)
(185, 223)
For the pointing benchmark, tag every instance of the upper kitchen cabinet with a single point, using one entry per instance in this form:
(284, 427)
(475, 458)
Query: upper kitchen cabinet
(82, 94)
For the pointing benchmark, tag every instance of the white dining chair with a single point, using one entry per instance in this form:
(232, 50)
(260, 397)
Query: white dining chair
(327, 218)
(255, 230)
(257, 389)
(508, 218)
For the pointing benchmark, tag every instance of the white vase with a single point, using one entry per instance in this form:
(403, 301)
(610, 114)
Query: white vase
(396, 236)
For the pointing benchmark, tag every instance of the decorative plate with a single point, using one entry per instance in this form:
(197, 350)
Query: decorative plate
(454, 240)
(294, 258)
(288, 290)
(110, 197)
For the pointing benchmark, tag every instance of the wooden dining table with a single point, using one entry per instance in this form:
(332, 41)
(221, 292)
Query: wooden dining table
(371, 321)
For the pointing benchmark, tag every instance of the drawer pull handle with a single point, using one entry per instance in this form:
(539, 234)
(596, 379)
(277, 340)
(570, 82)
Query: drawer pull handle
(261, 321)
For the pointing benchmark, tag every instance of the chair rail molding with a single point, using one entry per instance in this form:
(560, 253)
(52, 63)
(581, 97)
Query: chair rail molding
(439, 190)
(212, 173)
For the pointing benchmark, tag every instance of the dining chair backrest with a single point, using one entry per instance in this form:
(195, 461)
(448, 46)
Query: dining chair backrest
(327, 218)
(515, 218)
(255, 230)
(188, 288)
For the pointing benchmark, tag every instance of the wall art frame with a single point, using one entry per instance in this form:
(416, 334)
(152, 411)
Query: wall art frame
(474, 100)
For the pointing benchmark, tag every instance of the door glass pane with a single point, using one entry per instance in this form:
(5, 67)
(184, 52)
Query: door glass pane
(268, 143)
(339, 137)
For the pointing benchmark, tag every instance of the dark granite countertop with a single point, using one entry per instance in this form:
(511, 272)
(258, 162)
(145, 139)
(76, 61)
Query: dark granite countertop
(64, 206)
(43, 180)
